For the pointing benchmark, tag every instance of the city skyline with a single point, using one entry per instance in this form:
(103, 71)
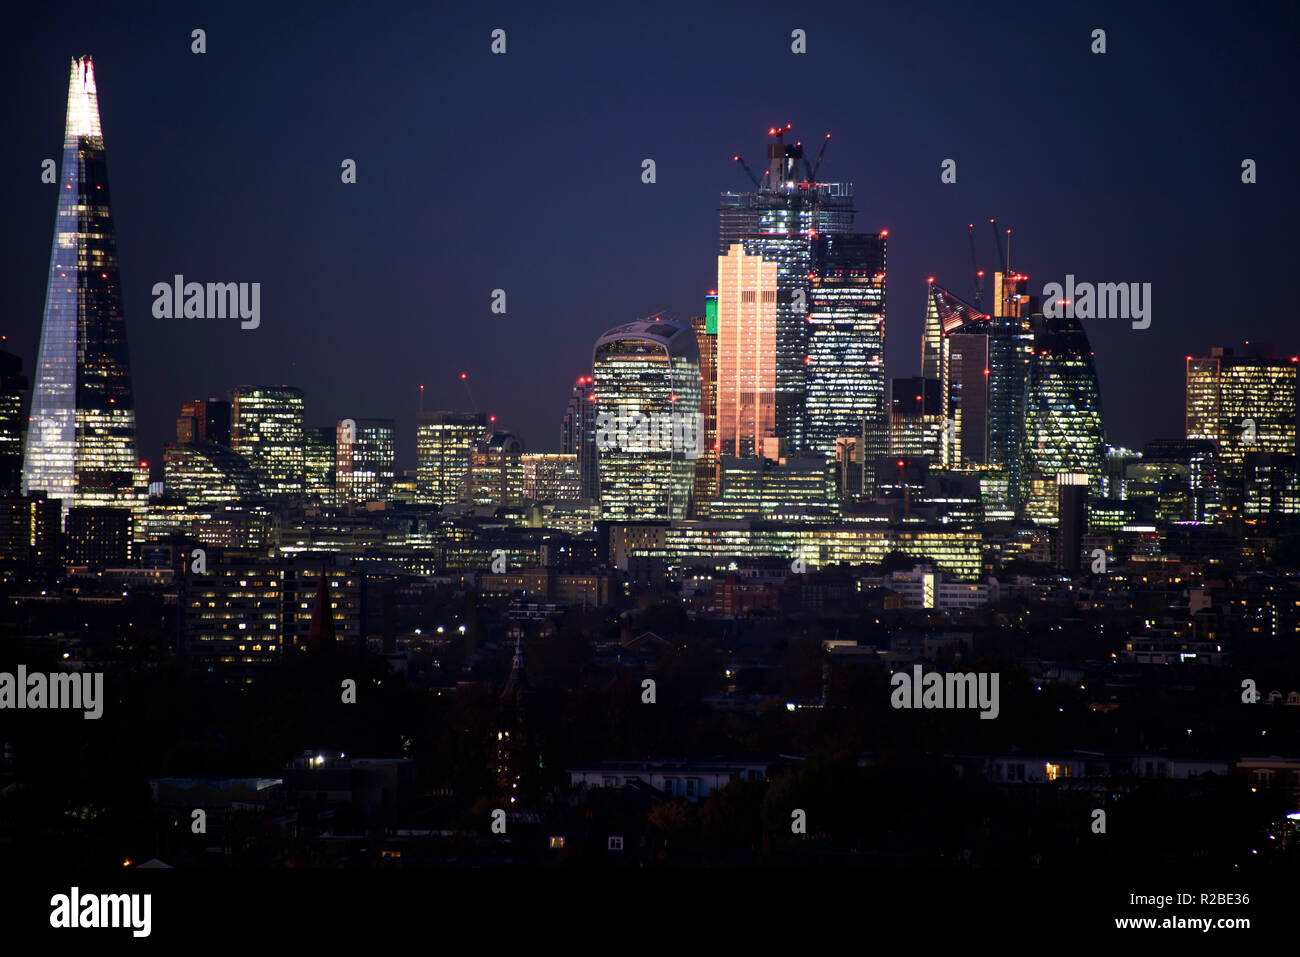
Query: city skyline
(857, 443)
(324, 342)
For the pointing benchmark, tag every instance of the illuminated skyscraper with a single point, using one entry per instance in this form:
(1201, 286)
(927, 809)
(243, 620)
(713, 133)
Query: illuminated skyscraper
(548, 477)
(13, 385)
(706, 339)
(931, 337)
(496, 471)
(443, 441)
(1244, 403)
(649, 429)
(845, 367)
(205, 474)
(777, 222)
(747, 319)
(962, 352)
(81, 437)
(915, 419)
(365, 456)
(1011, 345)
(1063, 425)
(578, 435)
(267, 429)
(320, 464)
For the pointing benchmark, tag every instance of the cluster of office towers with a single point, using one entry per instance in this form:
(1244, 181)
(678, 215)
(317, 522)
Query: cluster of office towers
(790, 350)
(780, 380)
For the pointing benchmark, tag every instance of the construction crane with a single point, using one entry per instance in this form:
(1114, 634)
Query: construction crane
(998, 245)
(974, 264)
(812, 170)
(464, 377)
(749, 172)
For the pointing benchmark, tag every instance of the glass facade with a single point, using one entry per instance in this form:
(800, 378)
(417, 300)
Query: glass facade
(578, 434)
(915, 418)
(1244, 403)
(548, 477)
(649, 429)
(365, 457)
(747, 349)
(1063, 424)
(13, 386)
(81, 435)
(956, 551)
(206, 474)
(845, 366)
(1011, 345)
(754, 488)
(496, 471)
(965, 388)
(776, 222)
(443, 441)
(267, 429)
(320, 464)
(706, 466)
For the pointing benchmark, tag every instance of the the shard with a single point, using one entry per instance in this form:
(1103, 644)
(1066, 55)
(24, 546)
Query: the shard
(81, 438)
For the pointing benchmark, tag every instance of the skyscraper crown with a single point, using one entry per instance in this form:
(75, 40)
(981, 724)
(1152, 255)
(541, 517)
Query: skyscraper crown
(83, 103)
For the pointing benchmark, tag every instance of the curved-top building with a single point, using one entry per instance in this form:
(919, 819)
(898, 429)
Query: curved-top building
(1063, 425)
(649, 428)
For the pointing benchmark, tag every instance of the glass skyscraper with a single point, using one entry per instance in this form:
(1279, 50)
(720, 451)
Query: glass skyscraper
(320, 464)
(957, 338)
(443, 442)
(777, 222)
(1063, 426)
(649, 428)
(267, 429)
(578, 435)
(746, 343)
(366, 456)
(13, 386)
(81, 438)
(845, 365)
(1011, 345)
(706, 340)
(1244, 403)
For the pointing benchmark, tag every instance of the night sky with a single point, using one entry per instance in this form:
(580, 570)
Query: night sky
(523, 172)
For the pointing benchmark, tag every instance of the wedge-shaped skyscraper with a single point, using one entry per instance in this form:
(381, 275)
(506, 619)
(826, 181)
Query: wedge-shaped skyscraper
(81, 436)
